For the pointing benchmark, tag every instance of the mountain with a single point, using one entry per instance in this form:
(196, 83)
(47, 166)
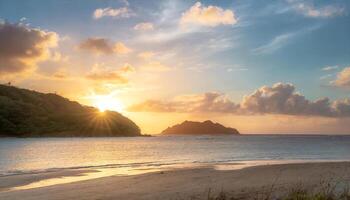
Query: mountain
(26, 113)
(199, 128)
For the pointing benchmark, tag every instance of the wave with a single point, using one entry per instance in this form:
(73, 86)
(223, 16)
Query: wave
(146, 164)
(128, 165)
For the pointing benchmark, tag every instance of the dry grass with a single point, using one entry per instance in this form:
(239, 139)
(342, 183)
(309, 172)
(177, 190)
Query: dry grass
(325, 190)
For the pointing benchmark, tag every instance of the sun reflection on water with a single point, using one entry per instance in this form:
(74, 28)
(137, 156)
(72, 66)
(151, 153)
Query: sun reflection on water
(84, 176)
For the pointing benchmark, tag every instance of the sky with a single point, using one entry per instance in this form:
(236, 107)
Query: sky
(259, 66)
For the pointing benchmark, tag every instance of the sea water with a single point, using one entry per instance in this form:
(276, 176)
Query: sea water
(25, 155)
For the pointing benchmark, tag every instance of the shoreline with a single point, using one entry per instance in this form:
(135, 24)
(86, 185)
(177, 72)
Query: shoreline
(247, 163)
(182, 135)
(12, 187)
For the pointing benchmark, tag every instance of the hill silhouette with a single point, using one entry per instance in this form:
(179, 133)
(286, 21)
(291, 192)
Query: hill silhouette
(26, 113)
(199, 128)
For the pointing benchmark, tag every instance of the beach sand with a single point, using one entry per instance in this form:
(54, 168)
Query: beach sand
(185, 183)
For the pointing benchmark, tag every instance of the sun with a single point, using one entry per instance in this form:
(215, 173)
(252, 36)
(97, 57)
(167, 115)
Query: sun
(104, 103)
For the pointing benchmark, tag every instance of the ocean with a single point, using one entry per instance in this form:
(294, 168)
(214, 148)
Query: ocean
(26, 155)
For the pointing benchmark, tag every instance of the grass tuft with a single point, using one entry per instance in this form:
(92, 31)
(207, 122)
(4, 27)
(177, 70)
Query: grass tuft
(330, 190)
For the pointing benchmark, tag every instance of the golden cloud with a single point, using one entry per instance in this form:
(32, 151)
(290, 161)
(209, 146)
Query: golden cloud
(111, 76)
(127, 68)
(208, 102)
(208, 16)
(120, 48)
(103, 46)
(101, 73)
(60, 74)
(343, 78)
(146, 54)
(55, 66)
(155, 66)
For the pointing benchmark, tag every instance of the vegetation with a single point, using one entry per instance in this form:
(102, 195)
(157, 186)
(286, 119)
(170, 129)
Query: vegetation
(200, 128)
(301, 194)
(25, 113)
(326, 190)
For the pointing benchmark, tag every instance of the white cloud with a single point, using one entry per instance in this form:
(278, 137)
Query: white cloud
(281, 40)
(328, 68)
(236, 69)
(125, 2)
(309, 10)
(326, 76)
(123, 12)
(275, 44)
(208, 16)
(145, 26)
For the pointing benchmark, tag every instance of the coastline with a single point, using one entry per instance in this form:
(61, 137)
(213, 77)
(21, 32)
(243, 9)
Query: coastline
(171, 182)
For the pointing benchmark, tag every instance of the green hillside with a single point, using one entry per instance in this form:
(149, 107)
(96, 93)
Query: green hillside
(26, 113)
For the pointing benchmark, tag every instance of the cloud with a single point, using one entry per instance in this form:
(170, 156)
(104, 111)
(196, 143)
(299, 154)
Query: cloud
(342, 107)
(60, 75)
(279, 99)
(103, 46)
(146, 54)
(208, 102)
(328, 68)
(125, 2)
(145, 26)
(326, 76)
(120, 48)
(102, 73)
(155, 66)
(23, 47)
(275, 44)
(208, 16)
(343, 78)
(113, 76)
(123, 12)
(281, 40)
(55, 66)
(282, 99)
(237, 69)
(309, 10)
(127, 68)
(153, 106)
(97, 45)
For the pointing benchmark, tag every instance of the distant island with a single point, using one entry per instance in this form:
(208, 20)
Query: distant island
(26, 113)
(199, 128)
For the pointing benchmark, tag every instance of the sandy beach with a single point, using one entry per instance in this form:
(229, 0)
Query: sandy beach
(186, 183)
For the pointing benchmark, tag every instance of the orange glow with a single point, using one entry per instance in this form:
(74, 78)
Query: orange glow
(104, 103)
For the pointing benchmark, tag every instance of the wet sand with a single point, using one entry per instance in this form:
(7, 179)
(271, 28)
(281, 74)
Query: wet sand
(185, 183)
